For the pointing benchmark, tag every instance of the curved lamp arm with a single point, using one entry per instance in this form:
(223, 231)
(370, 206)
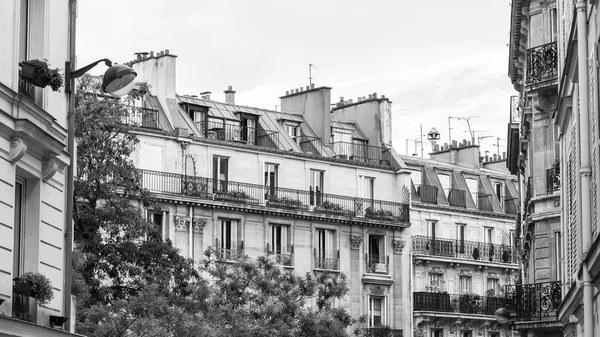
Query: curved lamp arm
(71, 75)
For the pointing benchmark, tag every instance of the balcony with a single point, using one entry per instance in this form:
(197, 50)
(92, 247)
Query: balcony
(511, 205)
(455, 303)
(141, 117)
(470, 250)
(277, 197)
(484, 201)
(310, 144)
(427, 193)
(374, 265)
(552, 180)
(382, 332)
(362, 152)
(457, 198)
(542, 64)
(25, 88)
(534, 301)
(229, 254)
(237, 134)
(326, 263)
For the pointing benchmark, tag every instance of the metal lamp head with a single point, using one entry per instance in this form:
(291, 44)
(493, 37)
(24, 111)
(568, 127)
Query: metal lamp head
(433, 134)
(118, 80)
(502, 315)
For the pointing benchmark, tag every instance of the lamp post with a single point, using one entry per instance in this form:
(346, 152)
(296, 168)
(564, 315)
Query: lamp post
(118, 80)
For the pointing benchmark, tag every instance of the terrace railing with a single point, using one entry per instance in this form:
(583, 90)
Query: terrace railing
(326, 261)
(552, 180)
(382, 332)
(471, 250)
(375, 265)
(457, 197)
(465, 303)
(542, 63)
(238, 192)
(235, 133)
(143, 117)
(534, 301)
(484, 201)
(310, 144)
(511, 205)
(26, 88)
(362, 152)
(427, 193)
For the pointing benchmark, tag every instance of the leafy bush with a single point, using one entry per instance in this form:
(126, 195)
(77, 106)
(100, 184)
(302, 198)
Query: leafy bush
(41, 287)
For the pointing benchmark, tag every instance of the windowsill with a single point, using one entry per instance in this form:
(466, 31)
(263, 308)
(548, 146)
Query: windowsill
(327, 270)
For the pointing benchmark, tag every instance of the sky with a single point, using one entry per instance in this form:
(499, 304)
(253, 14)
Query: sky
(434, 59)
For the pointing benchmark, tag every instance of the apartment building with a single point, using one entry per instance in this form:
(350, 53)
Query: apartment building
(33, 168)
(463, 215)
(316, 190)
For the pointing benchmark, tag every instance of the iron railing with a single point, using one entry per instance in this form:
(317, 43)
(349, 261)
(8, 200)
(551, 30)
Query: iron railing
(471, 250)
(484, 201)
(20, 305)
(457, 197)
(143, 117)
(465, 303)
(283, 259)
(327, 263)
(362, 152)
(427, 193)
(382, 332)
(309, 144)
(26, 88)
(374, 264)
(542, 63)
(534, 301)
(232, 131)
(229, 254)
(552, 180)
(278, 197)
(511, 205)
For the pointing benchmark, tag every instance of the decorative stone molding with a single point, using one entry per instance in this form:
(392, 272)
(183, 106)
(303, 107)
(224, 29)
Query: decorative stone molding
(436, 270)
(465, 272)
(355, 241)
(181, 223)
(376, 231)
(18, 148)
(377, 290)
(198, 225)
(49, 167)
(398, 246)
(493, 276)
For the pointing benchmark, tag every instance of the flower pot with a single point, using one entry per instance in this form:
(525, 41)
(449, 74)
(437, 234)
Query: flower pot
(30, 74)
(23, 288)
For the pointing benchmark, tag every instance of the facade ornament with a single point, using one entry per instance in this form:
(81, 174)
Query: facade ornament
(181, 223)
(18, 148)
(198, 225)
(398, 246)
(355, 241)
(436, 270)
(49, 167)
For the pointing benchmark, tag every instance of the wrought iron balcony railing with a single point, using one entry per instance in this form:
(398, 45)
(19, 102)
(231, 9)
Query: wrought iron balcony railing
(427, 193)
(552, 180)
(466, 303)
(281, 258)
(542, 63)
(229, 254)
(278, 197)
(143, 117)
(484, 201)
(382, 332)
(457, 197)
(374, 264)
(232, 131)
(322, 261)
(511, 205)
(310, 144)
(534, 301)
(26, 88)
(471, 250)
(362, 152)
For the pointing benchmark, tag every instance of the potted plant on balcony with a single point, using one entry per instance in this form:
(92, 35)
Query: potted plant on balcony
(35, 285)
(493, 301)
(470, 303)
(331, 207)
(284, 202)
(379, 213)
(38, 73)
(476, 253)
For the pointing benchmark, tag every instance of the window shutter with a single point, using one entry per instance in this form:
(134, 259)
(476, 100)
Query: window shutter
(283, 238)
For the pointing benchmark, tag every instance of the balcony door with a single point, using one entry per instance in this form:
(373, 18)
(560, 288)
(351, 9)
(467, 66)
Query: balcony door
(377, 311)
(316, 187)
(220, 173)
(248, 129)
(377, 255)
(271, 177)
(460, 237)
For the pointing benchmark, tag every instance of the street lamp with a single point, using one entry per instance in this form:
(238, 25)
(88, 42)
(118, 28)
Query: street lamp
(118, 80)
(502, 315)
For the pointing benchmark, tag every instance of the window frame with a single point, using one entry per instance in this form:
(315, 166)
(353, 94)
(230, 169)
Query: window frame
(217, 166)
(19, 227)
(383, 311)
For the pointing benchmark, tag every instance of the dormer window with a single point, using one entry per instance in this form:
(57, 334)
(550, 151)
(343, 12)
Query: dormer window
(293, 129)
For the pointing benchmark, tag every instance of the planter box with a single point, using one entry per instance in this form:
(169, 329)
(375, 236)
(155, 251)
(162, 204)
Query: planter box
(29, 73)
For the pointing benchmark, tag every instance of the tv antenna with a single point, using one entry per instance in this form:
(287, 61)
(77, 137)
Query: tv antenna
(310, 66)
(459, 118)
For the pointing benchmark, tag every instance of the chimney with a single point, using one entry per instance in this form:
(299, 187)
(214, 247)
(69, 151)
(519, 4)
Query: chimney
(205, 95)
(229, 95)
(315, 106)
(312, 85)
(374, 95)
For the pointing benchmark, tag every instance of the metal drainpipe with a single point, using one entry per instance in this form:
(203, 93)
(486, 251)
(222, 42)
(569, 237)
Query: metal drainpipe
(585, 170)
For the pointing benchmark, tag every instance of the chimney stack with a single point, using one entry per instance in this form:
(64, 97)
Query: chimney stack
(229, 95)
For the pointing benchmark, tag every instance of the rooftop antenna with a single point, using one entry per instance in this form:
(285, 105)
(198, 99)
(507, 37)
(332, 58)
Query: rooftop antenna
(310, 66)
(468, 124)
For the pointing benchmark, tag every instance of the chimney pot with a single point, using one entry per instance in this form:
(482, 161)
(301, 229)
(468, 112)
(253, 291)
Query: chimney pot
(350, 101)
(374, 95)
(382, 96)
(152, 53)
(287, 92)
(166, 51)
(358, 99)
(312, 85)
(297, 91)
(370, 96)
(364, 98)
(307, 88)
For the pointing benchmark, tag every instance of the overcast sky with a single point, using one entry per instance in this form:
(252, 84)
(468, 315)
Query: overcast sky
(433, 59)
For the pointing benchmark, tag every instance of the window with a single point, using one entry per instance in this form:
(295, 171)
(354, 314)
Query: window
(369, 188)
(559, 256)
(465, 284)
(24, 37)
(248, 129)
(293, 131)
(498, 189)
(432, 229)
(228, 242)
(493, 287)
(487, 235)
(271, 175)
(493, 334)
(156, 219)
(436, 282)
(377, 311)
(466, 334)
(326, 254)
(280, 243)
(460, 236)
(220, 173)
(416, 177)
(437, 332)
(473, 185)
(19, 228)
(316, 187)
(377, 258)
(444, 181)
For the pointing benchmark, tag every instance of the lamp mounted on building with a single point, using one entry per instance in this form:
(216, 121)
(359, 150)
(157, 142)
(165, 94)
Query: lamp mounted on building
(118, 80)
